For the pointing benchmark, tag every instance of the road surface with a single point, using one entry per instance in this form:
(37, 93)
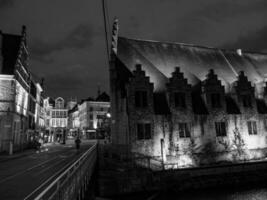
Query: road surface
(24, 177)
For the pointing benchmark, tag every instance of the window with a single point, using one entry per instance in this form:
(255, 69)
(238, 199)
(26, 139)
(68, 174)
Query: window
(184, 131)
(179, 99)
(91, 109)
(246, 100)
(143, 131)
(141, 99)
(91, 116)
(252, 128)
(216, 100)
(220, 128)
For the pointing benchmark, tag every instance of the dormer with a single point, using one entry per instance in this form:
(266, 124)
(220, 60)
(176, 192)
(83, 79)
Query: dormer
(140, 90)
(179, 91)
(244, 93)
(213, 92)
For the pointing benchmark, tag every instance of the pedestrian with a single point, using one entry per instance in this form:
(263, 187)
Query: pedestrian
(78, 142)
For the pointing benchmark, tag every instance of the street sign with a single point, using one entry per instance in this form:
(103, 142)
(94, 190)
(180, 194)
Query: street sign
(7, 126)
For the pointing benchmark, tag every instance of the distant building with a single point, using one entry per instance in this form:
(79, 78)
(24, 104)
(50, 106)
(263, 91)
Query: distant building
(88, 115)
(49, 103)
(59, 120)
(185, 104)
(71, 103)
(73, 121)
(91, 113)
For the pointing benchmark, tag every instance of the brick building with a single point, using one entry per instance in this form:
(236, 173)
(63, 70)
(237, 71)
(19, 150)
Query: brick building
(187, 104)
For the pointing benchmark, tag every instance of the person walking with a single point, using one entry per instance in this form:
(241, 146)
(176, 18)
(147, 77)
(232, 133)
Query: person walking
(77, 142)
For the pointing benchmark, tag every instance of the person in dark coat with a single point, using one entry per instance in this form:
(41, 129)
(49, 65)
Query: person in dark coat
(78, 142)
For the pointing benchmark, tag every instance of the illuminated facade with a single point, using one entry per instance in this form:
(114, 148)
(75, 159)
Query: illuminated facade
(48, 105)
(186, 104)
(92, 113)
(59, 120)
(14, 91)
(73, 121)
(20, 95)
(39, 110)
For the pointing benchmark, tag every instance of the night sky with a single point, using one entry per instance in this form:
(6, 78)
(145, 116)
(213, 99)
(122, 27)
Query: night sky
(66, 37)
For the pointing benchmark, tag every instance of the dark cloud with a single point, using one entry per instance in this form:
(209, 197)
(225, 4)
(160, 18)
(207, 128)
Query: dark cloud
(61, 38)
(80, 37)
(221, 10)
(256, 41)
(6, 3)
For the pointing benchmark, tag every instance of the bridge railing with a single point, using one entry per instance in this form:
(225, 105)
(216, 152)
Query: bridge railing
(72, 183)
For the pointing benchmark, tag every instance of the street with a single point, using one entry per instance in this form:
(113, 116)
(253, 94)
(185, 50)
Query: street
(24, 177)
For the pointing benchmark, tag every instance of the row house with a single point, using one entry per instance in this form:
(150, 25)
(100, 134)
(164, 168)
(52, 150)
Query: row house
(186, 104)
(89, 115)
(73, 121)
(17, 97)
(56, 119)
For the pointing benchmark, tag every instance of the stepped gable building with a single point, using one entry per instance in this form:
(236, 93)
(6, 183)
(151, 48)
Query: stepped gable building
(21, 116)
(171, 98)
(14, 91)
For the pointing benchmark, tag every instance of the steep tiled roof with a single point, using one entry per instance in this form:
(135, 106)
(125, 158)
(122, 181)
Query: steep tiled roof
(159, 60)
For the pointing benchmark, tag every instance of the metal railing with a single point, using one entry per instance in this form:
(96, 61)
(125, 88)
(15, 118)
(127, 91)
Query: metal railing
(72, 183)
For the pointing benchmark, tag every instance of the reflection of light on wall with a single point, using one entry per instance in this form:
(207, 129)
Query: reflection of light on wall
(21, 99)
(95, 124)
